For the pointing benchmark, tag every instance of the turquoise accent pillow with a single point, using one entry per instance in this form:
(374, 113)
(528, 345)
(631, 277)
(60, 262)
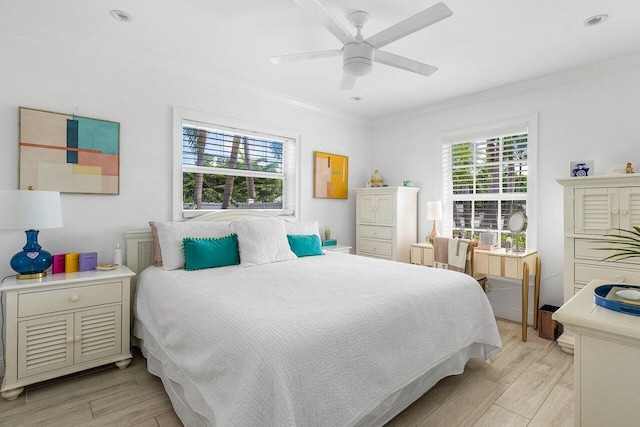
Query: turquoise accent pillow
(202, 252)
(305, 245)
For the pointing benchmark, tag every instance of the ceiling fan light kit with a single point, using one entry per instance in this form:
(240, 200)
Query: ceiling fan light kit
(358, 54)
(357, 59)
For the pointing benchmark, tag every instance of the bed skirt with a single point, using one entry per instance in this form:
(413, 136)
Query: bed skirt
(379, 414)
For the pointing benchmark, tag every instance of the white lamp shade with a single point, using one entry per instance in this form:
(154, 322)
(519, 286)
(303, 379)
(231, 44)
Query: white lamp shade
(434, 211)
(30, 209)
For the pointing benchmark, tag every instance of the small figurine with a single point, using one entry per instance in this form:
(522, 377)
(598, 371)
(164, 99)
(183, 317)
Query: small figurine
(629, 168)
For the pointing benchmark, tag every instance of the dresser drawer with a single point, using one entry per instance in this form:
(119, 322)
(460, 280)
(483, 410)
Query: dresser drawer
(588, 249)
(42, 302)
(376, 247)
(585, 273)
(376, 232)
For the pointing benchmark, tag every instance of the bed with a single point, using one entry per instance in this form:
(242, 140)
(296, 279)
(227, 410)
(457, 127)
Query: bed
(336, 339)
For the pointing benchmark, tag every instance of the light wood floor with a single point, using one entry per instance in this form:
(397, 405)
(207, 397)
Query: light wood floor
(527, 384)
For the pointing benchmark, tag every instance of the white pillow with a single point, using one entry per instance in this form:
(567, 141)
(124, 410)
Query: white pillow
(261, 241)
(305, 228)
(170, 235)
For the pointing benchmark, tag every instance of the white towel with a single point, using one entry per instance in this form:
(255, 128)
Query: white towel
(458, 254)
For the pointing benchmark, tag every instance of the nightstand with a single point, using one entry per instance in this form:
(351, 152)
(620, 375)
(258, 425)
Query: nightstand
(338, 248)
(64, 323)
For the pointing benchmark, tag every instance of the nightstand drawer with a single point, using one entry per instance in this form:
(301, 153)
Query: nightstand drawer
(376, 247)
(35, 303)
(376, 232)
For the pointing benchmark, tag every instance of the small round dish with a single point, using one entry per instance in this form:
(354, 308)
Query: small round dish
(630, 294)
(106, 267)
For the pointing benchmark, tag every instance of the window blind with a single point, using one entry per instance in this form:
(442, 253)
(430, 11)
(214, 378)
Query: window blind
(485, 179)
(261, 166)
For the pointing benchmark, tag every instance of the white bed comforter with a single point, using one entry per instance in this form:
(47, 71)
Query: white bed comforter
(315, 341)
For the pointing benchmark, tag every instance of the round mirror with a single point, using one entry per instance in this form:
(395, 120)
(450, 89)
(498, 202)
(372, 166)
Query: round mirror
(517, 222)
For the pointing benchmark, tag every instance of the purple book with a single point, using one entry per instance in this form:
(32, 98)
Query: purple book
(58, 264)
(88, 261)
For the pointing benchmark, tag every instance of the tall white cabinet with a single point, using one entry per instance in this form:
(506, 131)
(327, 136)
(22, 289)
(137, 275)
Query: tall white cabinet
(595, 206)
(386, 222)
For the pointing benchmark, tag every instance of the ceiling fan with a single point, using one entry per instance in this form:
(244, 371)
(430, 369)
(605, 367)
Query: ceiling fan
(358, 52)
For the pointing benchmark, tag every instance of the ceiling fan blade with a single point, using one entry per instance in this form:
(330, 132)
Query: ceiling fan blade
(322, 15)
(305, 56)
(410, 25)
(347, 81)
(403, 63)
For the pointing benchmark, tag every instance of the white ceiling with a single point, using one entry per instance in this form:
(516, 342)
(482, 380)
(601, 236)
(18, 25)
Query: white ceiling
(484, 45)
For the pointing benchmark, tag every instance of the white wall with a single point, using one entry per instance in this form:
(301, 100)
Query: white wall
(589, 113)
(140, 94)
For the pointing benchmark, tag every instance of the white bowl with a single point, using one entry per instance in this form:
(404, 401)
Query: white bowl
(631, 294)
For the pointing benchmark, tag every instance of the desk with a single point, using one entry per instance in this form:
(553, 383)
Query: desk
(500, 263)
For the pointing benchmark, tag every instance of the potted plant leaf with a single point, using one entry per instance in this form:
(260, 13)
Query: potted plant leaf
(625, 244)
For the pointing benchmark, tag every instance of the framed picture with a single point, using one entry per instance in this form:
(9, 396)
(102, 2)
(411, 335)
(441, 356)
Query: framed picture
(330, 176)
(579, 168)
(68, 153)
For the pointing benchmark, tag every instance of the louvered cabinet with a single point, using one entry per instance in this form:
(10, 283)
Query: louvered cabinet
(593, 207)
(386, 222)
(64, 323)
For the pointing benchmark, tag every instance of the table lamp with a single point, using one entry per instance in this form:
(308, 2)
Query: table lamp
(30, 210)
(434, 213)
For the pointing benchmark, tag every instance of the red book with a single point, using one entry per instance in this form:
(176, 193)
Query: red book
(58, 264)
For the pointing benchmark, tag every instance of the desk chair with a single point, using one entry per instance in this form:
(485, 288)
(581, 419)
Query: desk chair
(441, 244)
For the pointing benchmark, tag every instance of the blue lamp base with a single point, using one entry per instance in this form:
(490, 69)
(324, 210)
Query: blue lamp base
(32, 262)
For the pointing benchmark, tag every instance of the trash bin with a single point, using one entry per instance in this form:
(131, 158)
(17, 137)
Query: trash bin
(548, 328)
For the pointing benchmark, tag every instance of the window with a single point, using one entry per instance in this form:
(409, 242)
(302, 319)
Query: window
(487, 176)
(223, 166)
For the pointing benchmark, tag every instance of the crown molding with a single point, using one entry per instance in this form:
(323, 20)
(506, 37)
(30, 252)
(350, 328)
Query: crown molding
(574, 75)
(122, 55)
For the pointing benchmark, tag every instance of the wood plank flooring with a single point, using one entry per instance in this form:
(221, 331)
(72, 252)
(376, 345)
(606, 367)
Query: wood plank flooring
(526, 384)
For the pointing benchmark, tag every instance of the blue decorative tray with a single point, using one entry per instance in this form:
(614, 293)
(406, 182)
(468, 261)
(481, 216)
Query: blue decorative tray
(605, 296)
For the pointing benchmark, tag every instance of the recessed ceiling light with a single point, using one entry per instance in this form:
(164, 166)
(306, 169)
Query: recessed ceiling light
(121, 15)
(356, 98)
(595, 20)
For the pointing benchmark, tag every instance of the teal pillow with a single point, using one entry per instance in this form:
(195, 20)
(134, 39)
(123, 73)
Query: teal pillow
(202, 253)
(305, 245)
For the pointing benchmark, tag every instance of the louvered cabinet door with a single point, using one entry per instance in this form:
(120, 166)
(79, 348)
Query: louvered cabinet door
(98, 333)
(597, 210)
(629, 207)
(367, 209)
(384, 209)
(45, 344)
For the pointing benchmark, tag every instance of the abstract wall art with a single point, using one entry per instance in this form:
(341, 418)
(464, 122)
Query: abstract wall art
(68, 153)
(331, 178)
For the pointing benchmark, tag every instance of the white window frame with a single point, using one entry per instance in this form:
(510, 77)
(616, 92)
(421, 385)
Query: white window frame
(291, 182)
(489, 130)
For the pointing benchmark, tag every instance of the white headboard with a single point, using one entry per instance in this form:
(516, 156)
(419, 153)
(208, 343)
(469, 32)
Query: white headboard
(140, 242)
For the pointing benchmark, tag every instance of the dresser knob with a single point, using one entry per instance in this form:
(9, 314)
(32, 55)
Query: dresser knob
(614, 211)
(74, 298)
(624, 211)
(69, 339)
(619, 279)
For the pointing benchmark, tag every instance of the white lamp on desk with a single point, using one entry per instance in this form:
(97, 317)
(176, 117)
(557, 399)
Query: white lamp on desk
(434, 213)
